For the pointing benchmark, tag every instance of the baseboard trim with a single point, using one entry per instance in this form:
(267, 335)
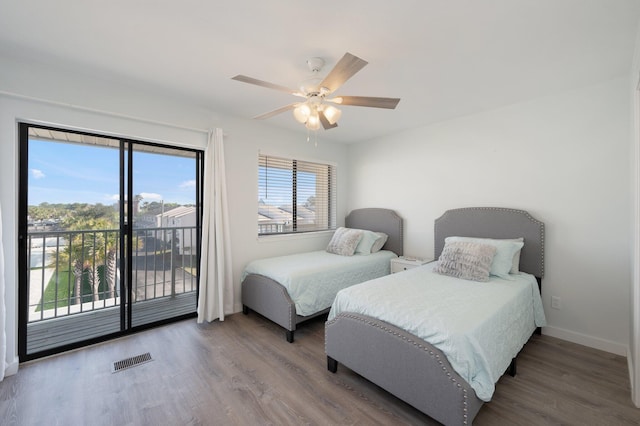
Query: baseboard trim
(586, 340)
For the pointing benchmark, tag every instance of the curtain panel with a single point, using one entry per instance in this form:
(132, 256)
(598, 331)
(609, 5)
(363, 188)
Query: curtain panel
(216, 281)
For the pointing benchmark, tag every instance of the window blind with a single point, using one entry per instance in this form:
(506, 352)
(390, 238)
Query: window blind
(295, 196)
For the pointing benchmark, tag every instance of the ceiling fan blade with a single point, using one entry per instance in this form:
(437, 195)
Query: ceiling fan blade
(366, 101)
(325, 122)
(343, 71)
(251, 80)
(275, 112)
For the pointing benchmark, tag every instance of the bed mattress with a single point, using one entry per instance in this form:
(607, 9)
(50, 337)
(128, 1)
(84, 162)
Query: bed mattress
(312, 279)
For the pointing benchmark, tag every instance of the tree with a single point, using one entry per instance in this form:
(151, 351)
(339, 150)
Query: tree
(78, 269)
(87, 251)
(110, 272)
(102, 249)
(311, 202)
(46, 211)
(74, 254)
(151, 207)
(91, 215)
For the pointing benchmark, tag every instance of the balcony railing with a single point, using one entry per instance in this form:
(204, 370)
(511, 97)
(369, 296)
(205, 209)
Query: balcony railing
(72, 272)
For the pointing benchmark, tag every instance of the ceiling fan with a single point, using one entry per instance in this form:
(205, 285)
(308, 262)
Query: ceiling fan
(318, 108)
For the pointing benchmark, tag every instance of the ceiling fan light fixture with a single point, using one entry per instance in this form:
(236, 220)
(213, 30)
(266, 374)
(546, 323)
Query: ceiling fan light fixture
(332, 114)
(313, 123)
(302, 113)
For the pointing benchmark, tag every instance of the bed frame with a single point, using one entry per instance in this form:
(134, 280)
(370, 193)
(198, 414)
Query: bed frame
(409, 367)
(271, 300)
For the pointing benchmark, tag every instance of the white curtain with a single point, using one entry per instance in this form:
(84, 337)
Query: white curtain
(3, 314)
(216, 281)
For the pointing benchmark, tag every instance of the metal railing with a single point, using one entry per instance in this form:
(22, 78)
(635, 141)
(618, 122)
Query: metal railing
(72, 272)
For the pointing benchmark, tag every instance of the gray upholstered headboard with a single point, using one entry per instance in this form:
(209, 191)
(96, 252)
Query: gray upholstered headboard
(379, 220)
(496, 222)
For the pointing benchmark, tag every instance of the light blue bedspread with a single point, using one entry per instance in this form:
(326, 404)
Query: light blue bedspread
(313, 279)
(480, 327)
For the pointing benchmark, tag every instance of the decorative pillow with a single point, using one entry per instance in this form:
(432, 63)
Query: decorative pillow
(377, 246)
(369, 238)
(505, 251)
(344, 241)
(466, 260)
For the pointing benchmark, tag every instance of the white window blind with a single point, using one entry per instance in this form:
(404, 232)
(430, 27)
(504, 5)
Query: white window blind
(295, 196)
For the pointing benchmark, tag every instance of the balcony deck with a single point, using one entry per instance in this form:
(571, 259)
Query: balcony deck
(164, 277)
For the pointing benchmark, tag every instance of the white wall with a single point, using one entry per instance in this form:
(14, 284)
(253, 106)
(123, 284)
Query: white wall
(243, 139)
(562, 158)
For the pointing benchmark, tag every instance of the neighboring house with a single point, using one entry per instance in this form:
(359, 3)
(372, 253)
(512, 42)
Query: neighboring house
(181, 224)
(272, 219)
(279, 219)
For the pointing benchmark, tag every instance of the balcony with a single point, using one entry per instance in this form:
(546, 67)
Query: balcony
(74, 281)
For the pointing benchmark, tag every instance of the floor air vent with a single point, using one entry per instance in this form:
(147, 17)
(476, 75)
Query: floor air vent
(131, 362)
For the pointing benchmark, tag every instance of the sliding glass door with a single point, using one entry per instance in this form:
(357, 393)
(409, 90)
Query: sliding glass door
(109, 237)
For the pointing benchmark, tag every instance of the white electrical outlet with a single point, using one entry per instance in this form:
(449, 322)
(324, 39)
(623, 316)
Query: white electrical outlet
(556, 302)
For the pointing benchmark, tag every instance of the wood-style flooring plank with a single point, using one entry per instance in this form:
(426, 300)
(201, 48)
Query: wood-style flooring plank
(243, 372)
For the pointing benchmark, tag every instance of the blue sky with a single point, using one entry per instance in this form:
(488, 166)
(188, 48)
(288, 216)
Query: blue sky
(280, 191)
(70, 173)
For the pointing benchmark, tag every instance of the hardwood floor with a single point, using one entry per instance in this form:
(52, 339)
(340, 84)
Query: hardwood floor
(242, 371)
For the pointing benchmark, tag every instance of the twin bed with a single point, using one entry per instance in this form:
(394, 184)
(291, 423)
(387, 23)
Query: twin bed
(289, 290)
(437, 342)
(446, 372)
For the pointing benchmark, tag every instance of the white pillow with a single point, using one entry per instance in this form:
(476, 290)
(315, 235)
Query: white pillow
(365, 245)
(515, 267)
(466, 260)
(505, 251)
(344, 241)
(377, 246)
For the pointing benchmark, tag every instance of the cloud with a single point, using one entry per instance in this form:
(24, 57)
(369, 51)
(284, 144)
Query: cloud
(114, 197)
(37, 174)
(150, 196)
(188, 184)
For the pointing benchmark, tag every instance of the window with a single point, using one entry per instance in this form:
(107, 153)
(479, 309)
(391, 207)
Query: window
(295, 196)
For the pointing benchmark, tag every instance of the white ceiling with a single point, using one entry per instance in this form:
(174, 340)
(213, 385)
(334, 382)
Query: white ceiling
(444, 59)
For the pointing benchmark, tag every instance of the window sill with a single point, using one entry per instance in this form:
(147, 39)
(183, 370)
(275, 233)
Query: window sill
(303, 235)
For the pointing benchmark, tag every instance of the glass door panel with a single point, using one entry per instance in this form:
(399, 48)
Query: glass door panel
(72, 239)
(165, 234)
